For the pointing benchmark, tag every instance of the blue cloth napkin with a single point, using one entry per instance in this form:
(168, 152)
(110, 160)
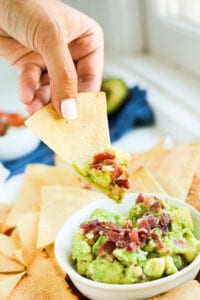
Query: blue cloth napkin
(136, 111)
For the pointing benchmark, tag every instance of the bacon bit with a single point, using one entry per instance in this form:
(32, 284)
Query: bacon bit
(164, 220)
(117, 172)
(131, 247)
(134, 237)
(156, 237)
(156, 206)
(143, 223)
(121, 244)
(122, 183)
(107, 248)
(99, 157)
(89, 226)
(152, 220)
(139, 199)
(148, 201)
(128, 225)
(142, 233)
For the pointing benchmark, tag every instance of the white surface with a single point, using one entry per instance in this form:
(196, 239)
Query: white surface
(10, 188)
(101, 291)
(17, 142)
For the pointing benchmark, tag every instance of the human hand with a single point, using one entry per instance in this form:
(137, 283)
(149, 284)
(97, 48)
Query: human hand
(57, 49)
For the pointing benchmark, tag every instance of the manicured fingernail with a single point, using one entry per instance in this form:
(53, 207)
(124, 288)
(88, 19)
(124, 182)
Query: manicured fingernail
(68, 109)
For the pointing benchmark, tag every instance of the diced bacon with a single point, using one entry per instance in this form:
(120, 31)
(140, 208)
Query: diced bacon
(122, 183)
(152, 220)
(128, 225)
(143, 223)
(99, 157)
(164, 220)
(114, 236)
(156, 206)
(89, 226)
(134, 237)
(117, 172)
(143, 234)
(107, 248)
(156, 237)
(139, 199)
(131, 246)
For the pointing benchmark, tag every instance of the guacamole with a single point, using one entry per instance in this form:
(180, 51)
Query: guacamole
(155, 239)
(107, 172)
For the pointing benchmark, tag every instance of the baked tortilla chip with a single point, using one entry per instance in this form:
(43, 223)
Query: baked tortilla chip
(43, 281)
(7, 284)
(8, 245)
(28, 198)
(187, 291)
(74, 140)
(172, 168)
(28, 229)
(9, 264)
(193, 197)
(141, 180)
(58, 204)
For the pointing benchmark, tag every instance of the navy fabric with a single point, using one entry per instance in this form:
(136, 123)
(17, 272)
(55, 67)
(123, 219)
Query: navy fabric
(135, 112)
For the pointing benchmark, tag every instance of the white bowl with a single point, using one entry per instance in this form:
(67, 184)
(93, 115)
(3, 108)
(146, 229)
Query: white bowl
(101, 291)
(17, 142)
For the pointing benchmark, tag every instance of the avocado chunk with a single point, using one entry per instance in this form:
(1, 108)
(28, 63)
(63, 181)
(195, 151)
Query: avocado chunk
(154, 267)
(170, 267)
(181, 218)
(106, 271)
(133, 274)
(81, 250)
(116, 92)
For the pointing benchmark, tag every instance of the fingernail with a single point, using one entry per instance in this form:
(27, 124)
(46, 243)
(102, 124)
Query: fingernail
(68, 109)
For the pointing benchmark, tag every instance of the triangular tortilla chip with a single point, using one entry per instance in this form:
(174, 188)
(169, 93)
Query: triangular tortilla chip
(28, 198)
(141, 180)
(19, 256)
(4, 211)
(58, 204)
(172, 168)
(43, 281)
(193, 197)
(79, 139)
(28, 229)
(9, 264)
(7, 284)
(187, 291)
(8, 245)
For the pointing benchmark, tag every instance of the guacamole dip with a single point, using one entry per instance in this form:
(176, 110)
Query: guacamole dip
(155, 239)
(107, 172)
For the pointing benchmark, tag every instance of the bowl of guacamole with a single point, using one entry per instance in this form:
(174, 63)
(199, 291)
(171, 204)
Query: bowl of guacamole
(142, 247)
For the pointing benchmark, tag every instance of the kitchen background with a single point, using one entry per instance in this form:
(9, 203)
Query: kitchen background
(151, 43)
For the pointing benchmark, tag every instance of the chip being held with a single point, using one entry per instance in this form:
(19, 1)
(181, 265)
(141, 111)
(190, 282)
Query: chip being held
(107, 172)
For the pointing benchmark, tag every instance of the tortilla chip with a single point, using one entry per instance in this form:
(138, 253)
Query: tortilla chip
(9, 264)
(141, 180)
(28, 198)
(4, 211)
(58, 204)
(28, 229)
(43, 281)
(79, 139)
(193, 197)
(8, 245)
(19, 256)
(50, 251)
(7, 284)
(172, 168)
(187, 291)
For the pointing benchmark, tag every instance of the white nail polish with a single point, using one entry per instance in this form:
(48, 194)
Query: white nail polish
(69, 109)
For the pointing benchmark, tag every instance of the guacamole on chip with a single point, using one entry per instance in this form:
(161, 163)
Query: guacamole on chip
(155, 239)
(107, 172)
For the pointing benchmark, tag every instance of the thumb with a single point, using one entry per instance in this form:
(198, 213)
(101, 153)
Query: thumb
(63, 79)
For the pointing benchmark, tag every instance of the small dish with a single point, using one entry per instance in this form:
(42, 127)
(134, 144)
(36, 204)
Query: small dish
(17, 142)
(99, 291)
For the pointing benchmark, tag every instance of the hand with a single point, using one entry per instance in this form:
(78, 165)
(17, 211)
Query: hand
(57, 49)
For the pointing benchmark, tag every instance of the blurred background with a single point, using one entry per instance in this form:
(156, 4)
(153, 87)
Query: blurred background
(154, 44)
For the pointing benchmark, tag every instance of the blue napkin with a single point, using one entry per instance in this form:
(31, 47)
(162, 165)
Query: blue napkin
(41, 155)
(135, 112)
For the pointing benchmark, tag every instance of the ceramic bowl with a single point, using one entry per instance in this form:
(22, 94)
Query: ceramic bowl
(101, 291)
